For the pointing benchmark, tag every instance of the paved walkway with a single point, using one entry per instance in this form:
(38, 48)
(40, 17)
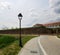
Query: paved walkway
(43, 45)
(31, 48)
(51, 44)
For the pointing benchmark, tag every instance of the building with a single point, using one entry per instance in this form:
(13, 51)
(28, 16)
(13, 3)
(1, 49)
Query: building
(49, 25)
(52, 25)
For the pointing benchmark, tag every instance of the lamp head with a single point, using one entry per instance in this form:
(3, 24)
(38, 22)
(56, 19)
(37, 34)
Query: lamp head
(20, 15)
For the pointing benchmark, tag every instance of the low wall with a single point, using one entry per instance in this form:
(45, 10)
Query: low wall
(35, 30)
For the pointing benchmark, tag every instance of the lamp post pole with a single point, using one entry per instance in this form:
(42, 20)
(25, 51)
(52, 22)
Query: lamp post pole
(20, 38)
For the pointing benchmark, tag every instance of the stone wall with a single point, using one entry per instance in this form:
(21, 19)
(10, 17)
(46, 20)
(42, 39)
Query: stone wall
(32, 30)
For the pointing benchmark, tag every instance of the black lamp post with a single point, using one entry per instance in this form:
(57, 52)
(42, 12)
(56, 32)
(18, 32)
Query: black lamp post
(20, 18)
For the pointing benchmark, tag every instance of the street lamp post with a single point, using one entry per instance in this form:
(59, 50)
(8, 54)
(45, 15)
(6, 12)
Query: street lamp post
(20, 18)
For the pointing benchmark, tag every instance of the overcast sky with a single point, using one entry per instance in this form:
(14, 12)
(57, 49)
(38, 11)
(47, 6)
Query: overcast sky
(33, 11)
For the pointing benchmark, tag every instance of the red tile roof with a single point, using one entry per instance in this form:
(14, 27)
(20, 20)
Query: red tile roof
(54, 23)
(48, 24)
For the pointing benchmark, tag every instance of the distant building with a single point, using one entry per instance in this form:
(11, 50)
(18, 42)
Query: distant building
(49, 25)
(38, 25)
(52, 25)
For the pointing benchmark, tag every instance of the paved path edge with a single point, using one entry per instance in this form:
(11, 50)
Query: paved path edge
(44, 52)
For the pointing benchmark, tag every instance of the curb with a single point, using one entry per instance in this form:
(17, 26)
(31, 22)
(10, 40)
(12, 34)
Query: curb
(44, 52)
(20, 51)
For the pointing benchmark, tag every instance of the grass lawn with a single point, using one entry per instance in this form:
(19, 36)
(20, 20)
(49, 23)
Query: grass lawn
(9, 45)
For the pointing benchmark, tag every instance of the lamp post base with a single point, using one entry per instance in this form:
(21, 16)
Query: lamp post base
(20, 45)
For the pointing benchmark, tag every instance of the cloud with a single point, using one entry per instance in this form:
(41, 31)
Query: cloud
(56, 20)
(4, 5)
(53, 3)
(58, 3)
(57, 10)
(55, 6)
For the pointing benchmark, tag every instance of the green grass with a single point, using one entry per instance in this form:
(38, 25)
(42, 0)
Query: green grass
(10, 45)
(6, 40)
(26, 38)
(58, 36)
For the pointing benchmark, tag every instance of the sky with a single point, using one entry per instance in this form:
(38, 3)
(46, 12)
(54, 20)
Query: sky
(33, 11)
